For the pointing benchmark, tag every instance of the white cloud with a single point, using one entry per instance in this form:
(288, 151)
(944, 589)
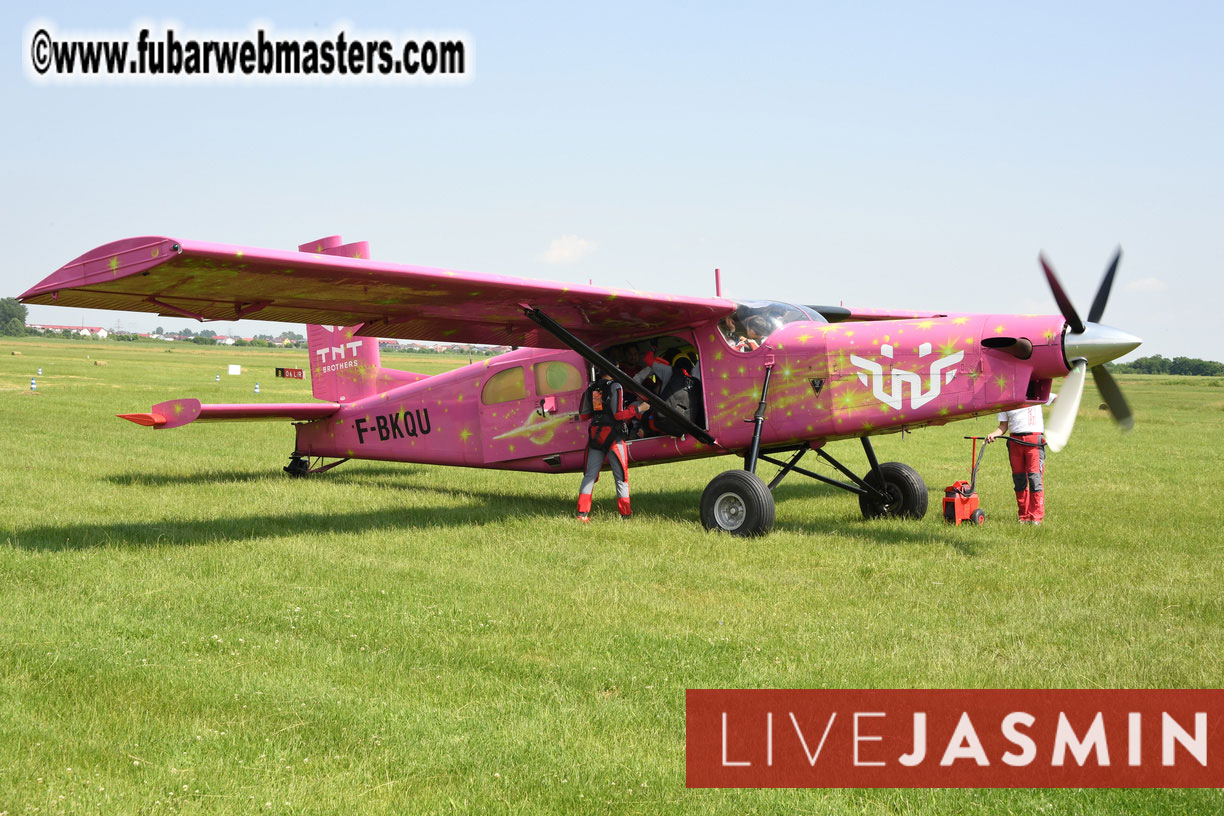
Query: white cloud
(567, 249)
(1146, 285)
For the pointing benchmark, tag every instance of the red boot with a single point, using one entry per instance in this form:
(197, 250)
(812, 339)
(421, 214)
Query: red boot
(623, 506)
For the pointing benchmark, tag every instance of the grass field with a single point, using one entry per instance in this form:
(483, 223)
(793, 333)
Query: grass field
(187, 630)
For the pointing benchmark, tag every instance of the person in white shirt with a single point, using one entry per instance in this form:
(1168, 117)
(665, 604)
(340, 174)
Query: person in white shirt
(1027, 456)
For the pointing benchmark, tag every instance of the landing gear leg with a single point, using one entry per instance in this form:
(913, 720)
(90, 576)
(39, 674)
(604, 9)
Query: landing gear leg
(890, 489)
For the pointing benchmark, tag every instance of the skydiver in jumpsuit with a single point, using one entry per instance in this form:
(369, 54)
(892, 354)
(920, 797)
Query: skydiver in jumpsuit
(603, 404)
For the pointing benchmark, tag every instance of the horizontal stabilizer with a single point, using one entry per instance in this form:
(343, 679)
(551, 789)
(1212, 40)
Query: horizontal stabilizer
(179, 412)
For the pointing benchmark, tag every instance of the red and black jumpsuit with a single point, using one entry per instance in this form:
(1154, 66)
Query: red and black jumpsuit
(606, 443)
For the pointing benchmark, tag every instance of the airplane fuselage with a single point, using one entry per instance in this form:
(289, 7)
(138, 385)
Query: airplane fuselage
(518, 411)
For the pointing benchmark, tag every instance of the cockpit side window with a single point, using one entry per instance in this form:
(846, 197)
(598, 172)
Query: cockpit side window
(754, 320)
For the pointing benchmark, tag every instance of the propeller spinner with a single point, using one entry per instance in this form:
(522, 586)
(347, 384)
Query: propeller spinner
(1087, 345)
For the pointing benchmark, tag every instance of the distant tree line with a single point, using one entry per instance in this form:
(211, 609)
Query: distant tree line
(12, 317)
(471, 351)
(1190, 366)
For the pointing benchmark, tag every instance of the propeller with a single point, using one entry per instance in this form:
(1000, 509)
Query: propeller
(1088, 345)
(1062, 413)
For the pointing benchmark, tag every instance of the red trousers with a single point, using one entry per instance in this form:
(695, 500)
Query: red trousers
(1028, 468)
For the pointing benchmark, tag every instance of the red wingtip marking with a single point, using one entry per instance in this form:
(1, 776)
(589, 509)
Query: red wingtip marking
(148, 420)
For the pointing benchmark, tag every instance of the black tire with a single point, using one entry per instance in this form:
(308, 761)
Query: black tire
(907, 493)
(977, 517)
(739, 503)
(298, 467)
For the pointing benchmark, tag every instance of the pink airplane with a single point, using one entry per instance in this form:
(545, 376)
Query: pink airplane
(819, 373)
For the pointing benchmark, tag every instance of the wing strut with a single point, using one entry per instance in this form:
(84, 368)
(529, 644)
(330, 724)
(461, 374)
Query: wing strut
(605, 365)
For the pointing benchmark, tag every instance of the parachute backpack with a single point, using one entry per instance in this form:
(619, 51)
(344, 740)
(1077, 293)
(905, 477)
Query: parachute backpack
(601, 434)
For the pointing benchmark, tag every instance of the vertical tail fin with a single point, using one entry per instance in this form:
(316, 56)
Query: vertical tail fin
(344, 367)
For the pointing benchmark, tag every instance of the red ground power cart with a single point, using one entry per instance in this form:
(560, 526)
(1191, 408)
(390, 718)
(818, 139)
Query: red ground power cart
(960, 498)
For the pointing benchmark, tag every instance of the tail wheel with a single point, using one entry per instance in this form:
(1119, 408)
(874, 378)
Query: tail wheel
(739, 503)
(905, 491)
(298, 467)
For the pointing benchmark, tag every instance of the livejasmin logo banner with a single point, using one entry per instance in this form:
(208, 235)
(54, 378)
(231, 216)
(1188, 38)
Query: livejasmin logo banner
(945, 738)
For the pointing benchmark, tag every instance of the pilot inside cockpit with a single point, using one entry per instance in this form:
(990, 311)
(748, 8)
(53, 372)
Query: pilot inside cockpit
(755, 320)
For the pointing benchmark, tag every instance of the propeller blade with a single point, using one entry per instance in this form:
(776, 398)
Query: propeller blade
(1062, 415)
(1112, 394)
(1102, 295)
(1064, 302)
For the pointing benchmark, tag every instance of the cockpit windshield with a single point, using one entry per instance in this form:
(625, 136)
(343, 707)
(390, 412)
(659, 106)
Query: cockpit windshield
(755, 320)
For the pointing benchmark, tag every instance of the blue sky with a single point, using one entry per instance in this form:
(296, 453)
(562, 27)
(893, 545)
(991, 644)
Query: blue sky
(905, 155)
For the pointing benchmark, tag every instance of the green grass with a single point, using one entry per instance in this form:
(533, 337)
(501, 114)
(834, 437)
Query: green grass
(186, 630)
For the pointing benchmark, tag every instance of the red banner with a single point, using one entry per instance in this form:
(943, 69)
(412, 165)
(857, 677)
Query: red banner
(947, 738)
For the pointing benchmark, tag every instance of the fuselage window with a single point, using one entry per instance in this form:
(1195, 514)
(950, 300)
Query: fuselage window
(556, 377)
(504, 386)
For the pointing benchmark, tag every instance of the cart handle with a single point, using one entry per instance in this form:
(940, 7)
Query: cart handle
(1012, 439)
(1041, 444)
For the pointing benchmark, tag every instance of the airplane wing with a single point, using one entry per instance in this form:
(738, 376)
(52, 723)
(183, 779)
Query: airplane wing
(221, 282)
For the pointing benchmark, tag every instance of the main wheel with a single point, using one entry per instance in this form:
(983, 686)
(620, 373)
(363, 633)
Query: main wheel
(298, 467)
(906, 492)
(739, 503)
(977, 517)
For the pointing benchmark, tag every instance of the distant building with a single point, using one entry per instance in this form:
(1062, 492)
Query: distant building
(84, 331)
